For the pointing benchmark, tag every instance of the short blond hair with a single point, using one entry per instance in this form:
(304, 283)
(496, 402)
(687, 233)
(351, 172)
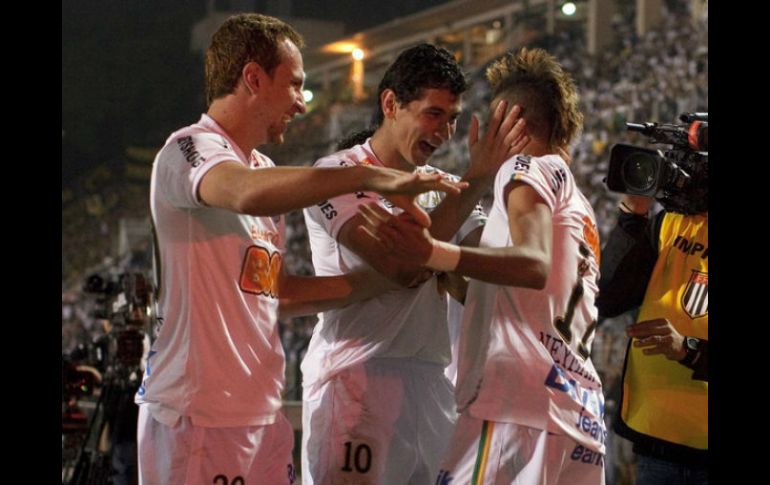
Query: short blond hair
(244, 38)
(534, 79)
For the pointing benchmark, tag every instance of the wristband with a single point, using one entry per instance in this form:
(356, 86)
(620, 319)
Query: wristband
(443, 256)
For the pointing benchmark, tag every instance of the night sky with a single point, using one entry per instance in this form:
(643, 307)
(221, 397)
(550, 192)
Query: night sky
(129, 79)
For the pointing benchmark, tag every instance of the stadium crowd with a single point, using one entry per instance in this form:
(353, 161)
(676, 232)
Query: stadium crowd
(653, 77)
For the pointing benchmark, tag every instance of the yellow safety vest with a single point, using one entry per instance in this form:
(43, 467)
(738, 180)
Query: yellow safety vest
(660, 398)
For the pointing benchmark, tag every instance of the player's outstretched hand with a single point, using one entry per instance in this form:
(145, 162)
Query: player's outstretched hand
(400, 235)
(401, 188)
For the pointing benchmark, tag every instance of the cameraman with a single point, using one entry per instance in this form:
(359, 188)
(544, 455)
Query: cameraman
(659, 265)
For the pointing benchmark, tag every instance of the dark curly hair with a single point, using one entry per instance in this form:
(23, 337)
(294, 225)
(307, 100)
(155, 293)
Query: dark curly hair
(424, 66)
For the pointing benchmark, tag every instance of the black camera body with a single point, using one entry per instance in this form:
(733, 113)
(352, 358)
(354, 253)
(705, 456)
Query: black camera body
(678, 177)
(126, 303)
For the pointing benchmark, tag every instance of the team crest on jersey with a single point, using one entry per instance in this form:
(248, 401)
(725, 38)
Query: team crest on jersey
(695, 299)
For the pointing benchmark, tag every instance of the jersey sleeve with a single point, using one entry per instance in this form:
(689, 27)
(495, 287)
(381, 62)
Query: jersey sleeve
(546, 178)
(476, 219)
(183, 162)
(335, 212)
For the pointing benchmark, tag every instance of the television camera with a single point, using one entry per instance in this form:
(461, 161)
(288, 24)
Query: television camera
(110, 368)
(677, 177)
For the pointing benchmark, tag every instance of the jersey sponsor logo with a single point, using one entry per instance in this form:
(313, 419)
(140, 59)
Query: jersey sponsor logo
(362, 195)
(590, 420)
(260, 272)
(593, 427)
(258, 234)
(190, 153)
(328, 210)
(695, 299)
(585, 455)
(691, 247)
(591, 237)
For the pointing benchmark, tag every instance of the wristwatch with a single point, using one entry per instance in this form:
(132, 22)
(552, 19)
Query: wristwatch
(692, 346)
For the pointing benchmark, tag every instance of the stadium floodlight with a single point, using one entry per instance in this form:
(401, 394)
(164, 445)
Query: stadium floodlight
(569, 8)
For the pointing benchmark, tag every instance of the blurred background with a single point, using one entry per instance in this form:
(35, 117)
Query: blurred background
(132, 72)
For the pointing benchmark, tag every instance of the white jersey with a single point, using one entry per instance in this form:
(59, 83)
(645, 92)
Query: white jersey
(218, 357)
(404, 323)
(477, 218)
(524, 353)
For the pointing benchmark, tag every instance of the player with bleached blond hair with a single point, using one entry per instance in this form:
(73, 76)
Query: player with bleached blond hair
(530, 398)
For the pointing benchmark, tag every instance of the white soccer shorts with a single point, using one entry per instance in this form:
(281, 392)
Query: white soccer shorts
(385, 422)
(494, 453)
(192, 455)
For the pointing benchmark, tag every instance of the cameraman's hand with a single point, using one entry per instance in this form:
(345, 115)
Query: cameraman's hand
(636, 204)
(658, 336)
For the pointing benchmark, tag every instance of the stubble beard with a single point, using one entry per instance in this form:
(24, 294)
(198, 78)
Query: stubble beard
(275, 134)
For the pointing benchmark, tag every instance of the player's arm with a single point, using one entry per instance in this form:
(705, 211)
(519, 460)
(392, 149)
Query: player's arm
(505, 136)
(277, 190)
(526, 263)
(403, 271)
(455, 283)
(308, 295)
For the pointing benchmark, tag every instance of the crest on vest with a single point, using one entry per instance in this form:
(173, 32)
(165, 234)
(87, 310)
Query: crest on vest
(695, 299)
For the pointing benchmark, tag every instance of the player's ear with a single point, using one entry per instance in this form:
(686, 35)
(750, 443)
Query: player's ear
(252, 77)
(388, 103)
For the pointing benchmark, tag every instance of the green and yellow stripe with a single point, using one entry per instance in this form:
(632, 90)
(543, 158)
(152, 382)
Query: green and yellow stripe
(483, 454)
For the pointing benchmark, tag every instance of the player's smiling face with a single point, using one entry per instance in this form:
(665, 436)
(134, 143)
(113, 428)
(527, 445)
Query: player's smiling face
(423, 125)
(283, 98)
